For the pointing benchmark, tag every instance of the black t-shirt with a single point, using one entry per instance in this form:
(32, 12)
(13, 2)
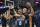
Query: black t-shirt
(33, 19)
(26, 16)
(14, 18)
(12, 13)
(3, 19)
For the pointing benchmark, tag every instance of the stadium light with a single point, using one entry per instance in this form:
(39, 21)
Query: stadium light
(1, 2)
(36, 2)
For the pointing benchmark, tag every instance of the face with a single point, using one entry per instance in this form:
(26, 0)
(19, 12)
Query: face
(24, 10)
(19, 11)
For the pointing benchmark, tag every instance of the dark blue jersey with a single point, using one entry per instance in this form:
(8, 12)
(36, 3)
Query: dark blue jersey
(26, 20)
(20, 22)
(37, 20)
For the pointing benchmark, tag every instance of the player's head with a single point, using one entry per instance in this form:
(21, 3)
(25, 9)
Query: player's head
(20, 11)
(24, 10)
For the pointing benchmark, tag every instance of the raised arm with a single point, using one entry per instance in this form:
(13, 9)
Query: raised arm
(8, 13)
(32, 11)
(17, 15)
(31, 14)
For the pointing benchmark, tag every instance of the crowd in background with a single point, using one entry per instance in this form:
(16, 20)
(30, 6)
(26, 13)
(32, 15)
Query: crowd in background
(21, 17)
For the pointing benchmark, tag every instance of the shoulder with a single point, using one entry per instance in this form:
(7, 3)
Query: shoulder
(23, 16)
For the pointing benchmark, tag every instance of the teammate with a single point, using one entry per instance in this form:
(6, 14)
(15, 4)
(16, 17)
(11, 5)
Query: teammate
(3, 21)
(33, 17)
(20, 18)
(8, 16)
(28, 16)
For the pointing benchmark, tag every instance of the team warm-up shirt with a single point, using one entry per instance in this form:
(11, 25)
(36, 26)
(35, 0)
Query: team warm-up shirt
(26, 20)
(20, 22)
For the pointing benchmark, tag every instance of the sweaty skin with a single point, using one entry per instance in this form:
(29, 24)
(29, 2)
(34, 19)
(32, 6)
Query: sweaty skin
(19, 15)
(31, 14)
(8, 16)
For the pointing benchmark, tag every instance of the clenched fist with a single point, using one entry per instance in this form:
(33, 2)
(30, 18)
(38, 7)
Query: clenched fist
(28, 4)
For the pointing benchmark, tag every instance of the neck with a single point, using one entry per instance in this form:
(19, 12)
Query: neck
(20, 14)
(25, 13)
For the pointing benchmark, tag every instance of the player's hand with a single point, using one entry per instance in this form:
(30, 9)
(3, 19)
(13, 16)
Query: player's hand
(13, 9)
(28, 4)
(9, 7)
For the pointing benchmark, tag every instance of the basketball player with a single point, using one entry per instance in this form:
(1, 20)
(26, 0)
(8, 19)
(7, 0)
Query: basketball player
(28, 16)
(3, 21)
(20, 18)
(8, 16)
(33, 17)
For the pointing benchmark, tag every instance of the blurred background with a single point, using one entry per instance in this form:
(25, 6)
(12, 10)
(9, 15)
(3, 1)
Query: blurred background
(16, 3)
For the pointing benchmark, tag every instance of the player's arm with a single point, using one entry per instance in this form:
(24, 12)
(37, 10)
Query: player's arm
(17, 15)
(5, 15)
(31, 14)
(32, 11)
(30, 22)
(8, 12)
